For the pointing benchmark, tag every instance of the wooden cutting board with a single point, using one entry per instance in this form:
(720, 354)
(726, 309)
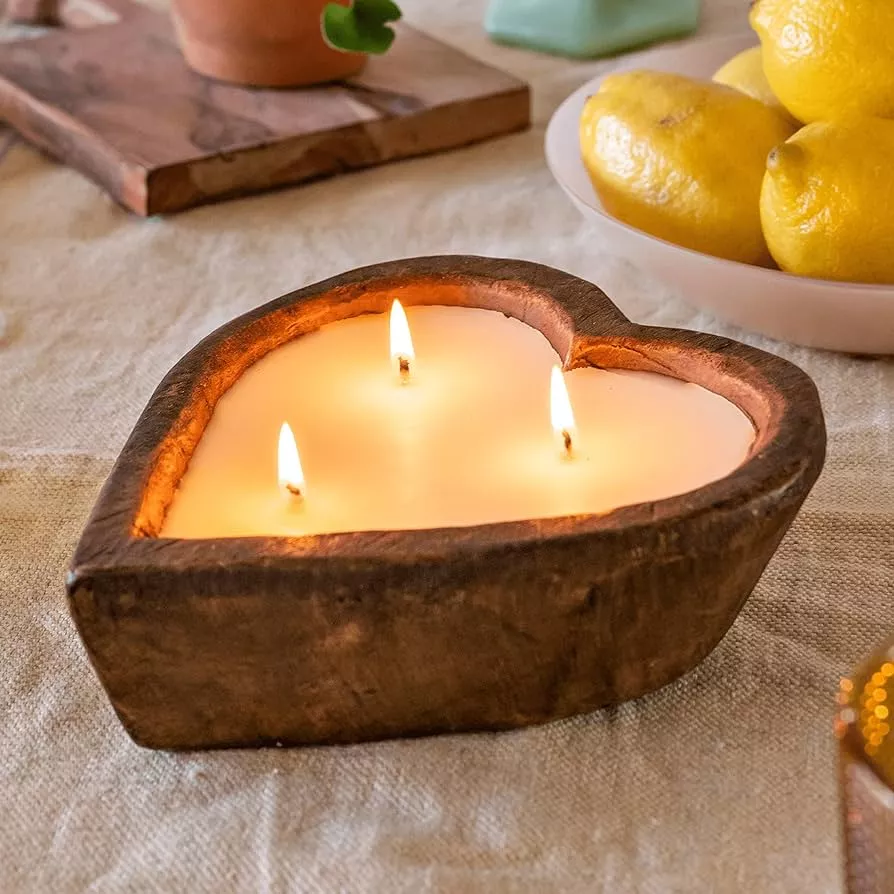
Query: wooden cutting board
(117, 102)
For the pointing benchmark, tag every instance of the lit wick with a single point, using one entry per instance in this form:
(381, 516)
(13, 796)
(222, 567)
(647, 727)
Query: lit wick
(403, 357)
(561, 413)
(291, 476)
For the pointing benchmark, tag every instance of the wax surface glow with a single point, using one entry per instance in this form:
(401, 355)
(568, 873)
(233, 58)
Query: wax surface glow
(468, 442)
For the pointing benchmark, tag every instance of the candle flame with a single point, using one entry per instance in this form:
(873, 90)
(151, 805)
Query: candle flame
(403, 356)
(291, 477)
(561, 414)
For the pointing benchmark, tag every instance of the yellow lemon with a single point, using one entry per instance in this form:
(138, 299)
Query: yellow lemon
(826, 201)
(745, 72)
(682, 159)
(828, 59)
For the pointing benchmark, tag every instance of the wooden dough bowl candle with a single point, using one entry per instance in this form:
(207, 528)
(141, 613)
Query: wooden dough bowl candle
(336, 637)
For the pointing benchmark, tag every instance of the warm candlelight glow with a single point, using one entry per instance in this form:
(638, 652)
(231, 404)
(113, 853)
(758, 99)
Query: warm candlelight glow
(402, 354)
(561, 413)
(467, 442)
(291, 477)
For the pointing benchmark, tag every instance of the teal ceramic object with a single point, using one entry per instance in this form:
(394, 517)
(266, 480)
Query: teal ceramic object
(589, 28)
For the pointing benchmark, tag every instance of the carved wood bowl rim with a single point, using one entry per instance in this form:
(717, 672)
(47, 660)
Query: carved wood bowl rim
(577, 317)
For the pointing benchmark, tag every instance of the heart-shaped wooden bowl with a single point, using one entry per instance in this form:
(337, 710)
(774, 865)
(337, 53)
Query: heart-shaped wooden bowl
(351, 637)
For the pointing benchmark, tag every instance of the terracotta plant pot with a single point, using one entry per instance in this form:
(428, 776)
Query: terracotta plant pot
(275, 44)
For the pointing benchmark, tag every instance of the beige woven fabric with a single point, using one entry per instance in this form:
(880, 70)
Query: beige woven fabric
(724, 781)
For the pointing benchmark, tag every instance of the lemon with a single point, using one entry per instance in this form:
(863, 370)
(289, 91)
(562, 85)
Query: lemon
(745, 72)
(826, 200)
(828, 59)
(682, 159)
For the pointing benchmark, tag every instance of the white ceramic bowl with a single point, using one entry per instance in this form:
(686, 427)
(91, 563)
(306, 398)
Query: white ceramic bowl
(853, 317)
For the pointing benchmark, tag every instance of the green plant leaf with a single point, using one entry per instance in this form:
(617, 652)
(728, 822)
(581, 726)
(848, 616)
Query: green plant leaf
(379, 10)
(361, 28)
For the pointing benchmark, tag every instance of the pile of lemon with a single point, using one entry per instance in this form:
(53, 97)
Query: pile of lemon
(787, 155)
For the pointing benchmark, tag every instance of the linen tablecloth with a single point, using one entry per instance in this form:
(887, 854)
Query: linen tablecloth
(724, 781)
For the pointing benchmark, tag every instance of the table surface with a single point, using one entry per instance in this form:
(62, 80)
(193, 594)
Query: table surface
(724, 781)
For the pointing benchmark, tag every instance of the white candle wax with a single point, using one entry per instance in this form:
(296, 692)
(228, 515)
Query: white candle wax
(467, 442)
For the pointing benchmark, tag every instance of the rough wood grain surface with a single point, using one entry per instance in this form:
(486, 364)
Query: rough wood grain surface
(118, 103)
(351, 637)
